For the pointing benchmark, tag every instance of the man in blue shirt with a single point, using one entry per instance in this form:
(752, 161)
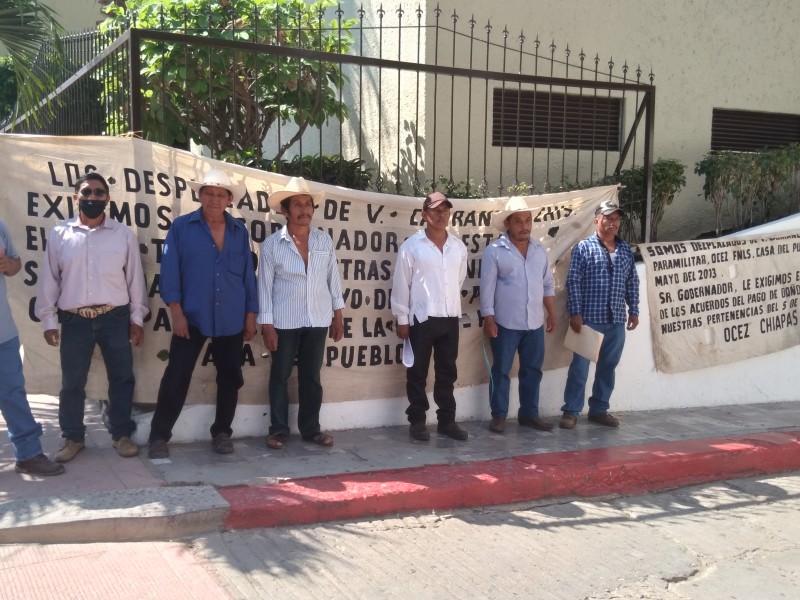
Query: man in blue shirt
(23, 430)
(516, 283)
(208, 281)
(602, 279)
(300, 300)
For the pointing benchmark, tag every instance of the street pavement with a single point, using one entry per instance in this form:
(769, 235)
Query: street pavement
(379, 472)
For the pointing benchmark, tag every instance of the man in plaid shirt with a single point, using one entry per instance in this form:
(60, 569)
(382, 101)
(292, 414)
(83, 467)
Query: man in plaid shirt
(602, 279)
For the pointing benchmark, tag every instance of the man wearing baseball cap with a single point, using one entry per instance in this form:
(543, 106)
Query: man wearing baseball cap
(602, 280)
(426, 303)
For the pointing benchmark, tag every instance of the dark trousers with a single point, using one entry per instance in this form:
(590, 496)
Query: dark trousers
(111, 332)
(437, 336)
(307, 344)
(226, 351)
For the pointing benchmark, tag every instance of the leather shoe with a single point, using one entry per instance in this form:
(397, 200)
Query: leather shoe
(606, 419)
(39, 465)
(157, 449)
(497, 424)
(536, 423)
(453, 431)
(68, 450)
(125, 447)
(419, 432)
(568, 421)
(222, 444)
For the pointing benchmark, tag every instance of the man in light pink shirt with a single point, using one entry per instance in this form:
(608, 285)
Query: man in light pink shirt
(92, 282)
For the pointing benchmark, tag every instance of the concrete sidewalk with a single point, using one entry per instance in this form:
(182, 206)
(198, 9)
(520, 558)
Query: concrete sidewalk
(373, 472)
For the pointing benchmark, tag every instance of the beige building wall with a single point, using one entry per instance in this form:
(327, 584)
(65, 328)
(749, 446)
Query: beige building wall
(75, 15)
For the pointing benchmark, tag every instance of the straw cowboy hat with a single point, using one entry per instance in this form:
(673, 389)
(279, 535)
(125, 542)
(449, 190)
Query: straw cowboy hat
(218, 178)
(297, 186)
(514, 204)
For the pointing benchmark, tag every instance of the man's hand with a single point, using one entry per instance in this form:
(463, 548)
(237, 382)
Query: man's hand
(576, 322)
(9, 266)
(180, 324)
(249, 326)
(550, 324)
(136, 334)
(51, 337)
(402, 331)
(633, 321)
(270, 337)
(489, 327)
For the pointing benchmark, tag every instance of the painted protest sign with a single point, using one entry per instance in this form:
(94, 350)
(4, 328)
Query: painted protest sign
(714, 302)
(148, 190)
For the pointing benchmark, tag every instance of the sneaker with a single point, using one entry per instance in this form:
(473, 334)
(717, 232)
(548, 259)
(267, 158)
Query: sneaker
(69, 448)
(606, 419)
(497, 424)
(39, 465)
(453, 431)
(536, 423)
(419, 431)
(568, 421)
(157, 449)
(222, 444)
(125, 447)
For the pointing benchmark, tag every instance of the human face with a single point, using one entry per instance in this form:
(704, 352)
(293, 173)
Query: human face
(437, 218)
(518, 226)
(214, 200)
(301, 210)
(92, 198)
(608, 225)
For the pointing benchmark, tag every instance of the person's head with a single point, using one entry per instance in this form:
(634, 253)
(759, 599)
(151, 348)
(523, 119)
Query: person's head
(298, 209)
(296, 193)
(92, 194)
(607, 219)
(515, 220)
(436, 211)
(215, 191)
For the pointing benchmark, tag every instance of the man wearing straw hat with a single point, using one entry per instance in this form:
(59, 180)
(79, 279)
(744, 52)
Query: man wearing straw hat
(426, 303)
(300, 300)
(208, 282)
(516, 286)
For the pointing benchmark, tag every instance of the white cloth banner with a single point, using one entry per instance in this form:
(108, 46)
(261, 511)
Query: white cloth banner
(714, 302)
(148, 190)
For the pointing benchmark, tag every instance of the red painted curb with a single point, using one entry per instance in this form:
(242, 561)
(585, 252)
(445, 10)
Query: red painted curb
(620, 470)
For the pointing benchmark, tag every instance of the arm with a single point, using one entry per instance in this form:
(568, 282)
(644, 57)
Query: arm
(266, 274)
(574, 298)
(401, 292)
(46, 307)
(632, 295)
(550, 307)
(9, 266)
(488, 287)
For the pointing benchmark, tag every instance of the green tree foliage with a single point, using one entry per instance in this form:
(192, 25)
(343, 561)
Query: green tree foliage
(24, 26)
(8, 88)
(669, 178)
(228, 99)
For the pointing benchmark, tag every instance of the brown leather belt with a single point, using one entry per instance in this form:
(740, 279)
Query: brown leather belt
(91, 312)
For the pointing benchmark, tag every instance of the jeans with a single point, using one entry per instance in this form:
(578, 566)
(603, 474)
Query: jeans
(437, 336)
(111, 332)
(307, 344)
(610, 353)
(23, 430)
(226, 352)
(530, 345)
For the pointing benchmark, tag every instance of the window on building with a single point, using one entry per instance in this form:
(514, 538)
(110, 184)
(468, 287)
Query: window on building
(534, 119)
(749, 130)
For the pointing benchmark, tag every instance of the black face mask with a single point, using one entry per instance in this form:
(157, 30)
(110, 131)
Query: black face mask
(92, 208)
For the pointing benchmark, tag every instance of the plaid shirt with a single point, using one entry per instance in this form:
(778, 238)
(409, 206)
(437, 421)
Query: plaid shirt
(596, 290)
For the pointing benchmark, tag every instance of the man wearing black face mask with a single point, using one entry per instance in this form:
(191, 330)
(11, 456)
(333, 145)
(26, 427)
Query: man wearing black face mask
(92, 282)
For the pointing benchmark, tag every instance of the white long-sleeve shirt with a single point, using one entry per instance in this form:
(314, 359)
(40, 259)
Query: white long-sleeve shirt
(427, 282)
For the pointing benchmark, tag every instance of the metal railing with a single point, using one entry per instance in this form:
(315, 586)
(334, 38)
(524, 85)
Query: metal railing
(424, 95)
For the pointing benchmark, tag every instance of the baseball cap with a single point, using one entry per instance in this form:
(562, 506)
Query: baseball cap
(434, 199)
(606, 208)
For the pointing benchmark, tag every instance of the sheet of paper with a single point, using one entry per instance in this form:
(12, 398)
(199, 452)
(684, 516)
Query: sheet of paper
(586, 343)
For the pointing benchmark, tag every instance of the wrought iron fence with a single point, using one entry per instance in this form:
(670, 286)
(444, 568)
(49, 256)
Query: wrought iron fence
(417, 100)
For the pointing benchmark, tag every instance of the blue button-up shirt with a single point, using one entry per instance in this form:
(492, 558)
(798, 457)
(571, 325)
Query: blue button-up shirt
(597, 287)
(513, 286)
(215, 289)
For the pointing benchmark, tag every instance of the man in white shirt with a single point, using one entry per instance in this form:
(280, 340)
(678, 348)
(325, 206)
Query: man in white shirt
(300, 302)
(92, 282)
(426, 303)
